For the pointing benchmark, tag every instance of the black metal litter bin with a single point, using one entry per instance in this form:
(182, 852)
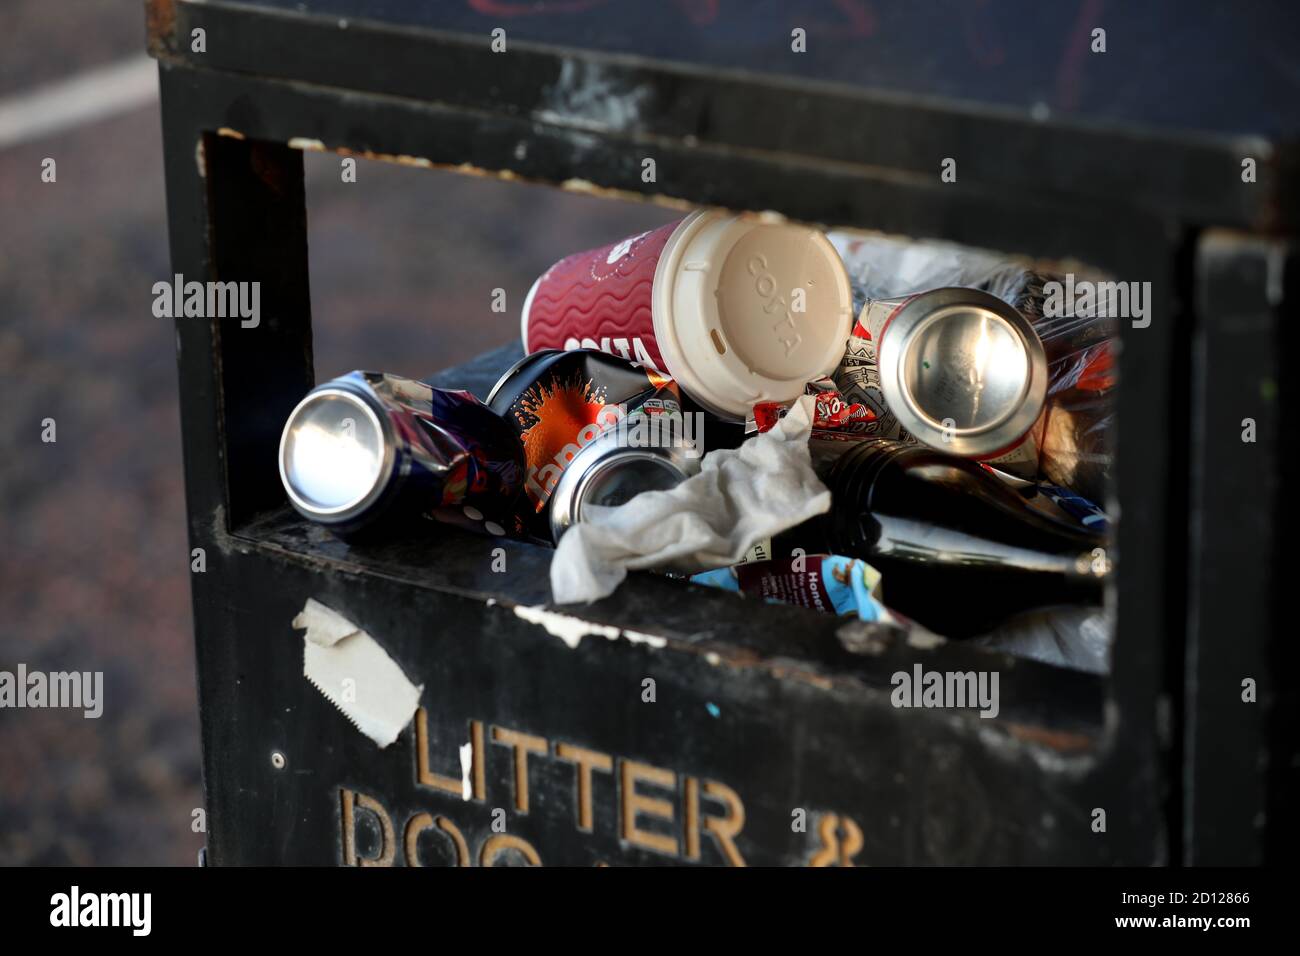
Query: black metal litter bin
(772, 739)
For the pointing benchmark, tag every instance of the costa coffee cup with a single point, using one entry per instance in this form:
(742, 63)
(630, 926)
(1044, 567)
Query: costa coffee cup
(737, 310)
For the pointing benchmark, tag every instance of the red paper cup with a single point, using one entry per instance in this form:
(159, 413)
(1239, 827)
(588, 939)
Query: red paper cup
(737, 310)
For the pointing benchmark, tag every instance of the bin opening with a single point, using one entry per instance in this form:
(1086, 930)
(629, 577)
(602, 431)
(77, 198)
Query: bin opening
(985, 513)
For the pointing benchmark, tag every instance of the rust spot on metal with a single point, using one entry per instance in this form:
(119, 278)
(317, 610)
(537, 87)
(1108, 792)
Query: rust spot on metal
(607, 192)
(730, 655)
(803, 675)
(1058, 740)
(160, 22)
(399, 159)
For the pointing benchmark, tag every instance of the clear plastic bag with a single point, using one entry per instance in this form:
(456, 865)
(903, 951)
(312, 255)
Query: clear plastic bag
(1074, 433)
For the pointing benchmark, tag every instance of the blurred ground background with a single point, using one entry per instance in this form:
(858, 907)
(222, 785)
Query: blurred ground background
(94, 564)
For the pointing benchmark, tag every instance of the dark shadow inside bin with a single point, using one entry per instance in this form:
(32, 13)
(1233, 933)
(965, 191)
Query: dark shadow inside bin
(423, 274)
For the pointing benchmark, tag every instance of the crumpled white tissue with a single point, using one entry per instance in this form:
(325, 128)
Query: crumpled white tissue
(710, 520)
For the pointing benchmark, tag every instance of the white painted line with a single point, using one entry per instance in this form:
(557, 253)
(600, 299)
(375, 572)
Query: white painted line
(83, 98)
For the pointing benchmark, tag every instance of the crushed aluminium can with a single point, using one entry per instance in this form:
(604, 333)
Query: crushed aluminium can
(370, 444)
(960, 371)
(596, 429)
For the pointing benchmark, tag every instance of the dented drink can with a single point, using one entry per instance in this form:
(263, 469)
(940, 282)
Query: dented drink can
(596, 429)
(960, 371)
(371, 444)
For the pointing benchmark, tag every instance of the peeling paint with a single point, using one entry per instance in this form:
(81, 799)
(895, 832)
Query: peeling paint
(651, 640)
(803, 675)
(572, 629)
(569, 629)
(858, 638)
(1059, 740)
(584, 186)
(1007, 744)
(587, 187)
(924, 641)
(220, 535)
(399, 159)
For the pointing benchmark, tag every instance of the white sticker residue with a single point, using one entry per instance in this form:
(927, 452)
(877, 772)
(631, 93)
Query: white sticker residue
(924, 640)
(466, 765)
(355, 673)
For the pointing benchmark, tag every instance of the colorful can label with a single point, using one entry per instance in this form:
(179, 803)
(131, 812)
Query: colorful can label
(559, 402)
(858, 375)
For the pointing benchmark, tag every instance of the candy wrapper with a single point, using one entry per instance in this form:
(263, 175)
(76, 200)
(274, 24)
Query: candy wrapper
(858, 379)
(830, 583)
(1076, 507)
(830, 411)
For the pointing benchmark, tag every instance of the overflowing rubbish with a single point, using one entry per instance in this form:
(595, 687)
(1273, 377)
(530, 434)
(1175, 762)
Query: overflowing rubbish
(940, 462)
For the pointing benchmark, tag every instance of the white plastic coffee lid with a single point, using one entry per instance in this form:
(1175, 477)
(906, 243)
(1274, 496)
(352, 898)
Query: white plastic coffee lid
(726, 301)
